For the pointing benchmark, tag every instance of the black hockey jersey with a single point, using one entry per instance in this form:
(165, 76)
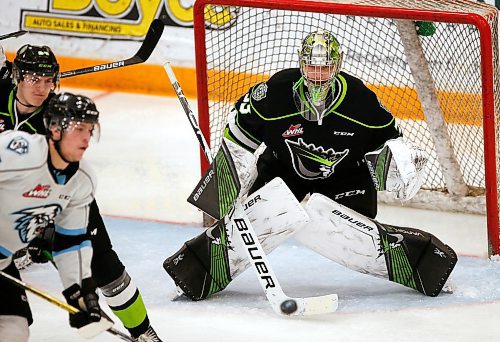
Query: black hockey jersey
(6, 71)
(354, 123)
(11, 119)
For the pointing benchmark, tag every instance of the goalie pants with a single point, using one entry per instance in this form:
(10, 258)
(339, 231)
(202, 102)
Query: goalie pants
(354, 190)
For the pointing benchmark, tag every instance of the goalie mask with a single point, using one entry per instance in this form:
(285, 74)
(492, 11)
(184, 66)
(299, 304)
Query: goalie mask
(320, 59)
(33, 62)
(67, 112)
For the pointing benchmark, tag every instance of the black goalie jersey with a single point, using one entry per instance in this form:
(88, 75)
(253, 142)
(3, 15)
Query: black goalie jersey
(354, 123)
(309, 157)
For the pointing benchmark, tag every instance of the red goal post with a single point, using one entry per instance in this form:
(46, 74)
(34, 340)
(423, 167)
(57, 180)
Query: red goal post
(442, 88)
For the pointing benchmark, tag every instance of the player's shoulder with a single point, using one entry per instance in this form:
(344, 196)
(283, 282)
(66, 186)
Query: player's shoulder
(361, 104)
(6, 86)
(21, 150)
(285, 77)
(272, 97)
(280, 84)
(87, 174)
(352, 82)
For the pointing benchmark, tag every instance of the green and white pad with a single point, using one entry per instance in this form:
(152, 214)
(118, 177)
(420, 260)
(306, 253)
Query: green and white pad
(275, 214)
(207, 263)
(408, 256)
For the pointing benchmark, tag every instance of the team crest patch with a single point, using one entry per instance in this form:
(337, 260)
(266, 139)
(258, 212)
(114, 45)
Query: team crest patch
(34, 220)
(19, 145)
(259, 92)
(311, 162)
(39, 191)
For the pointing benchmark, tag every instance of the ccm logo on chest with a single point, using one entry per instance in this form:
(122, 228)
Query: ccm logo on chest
(344, 134)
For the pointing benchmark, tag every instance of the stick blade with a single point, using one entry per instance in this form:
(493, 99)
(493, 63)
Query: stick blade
(317, 305)
(149, 43)
(13, 34)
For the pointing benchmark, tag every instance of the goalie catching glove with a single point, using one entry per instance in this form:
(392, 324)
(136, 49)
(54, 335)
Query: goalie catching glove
(397, 167)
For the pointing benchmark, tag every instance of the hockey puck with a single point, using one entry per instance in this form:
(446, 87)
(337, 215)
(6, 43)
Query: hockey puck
(289, 306)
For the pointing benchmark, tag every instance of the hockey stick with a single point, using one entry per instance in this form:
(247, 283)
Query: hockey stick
(148, 45)
(69, 308)
(13, 34)
(280, 302)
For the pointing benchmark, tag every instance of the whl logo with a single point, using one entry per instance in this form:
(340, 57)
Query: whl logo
(40, 191)
(293, 131)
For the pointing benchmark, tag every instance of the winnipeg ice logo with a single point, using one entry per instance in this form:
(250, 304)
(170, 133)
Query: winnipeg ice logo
(18, 145)
(34, 220)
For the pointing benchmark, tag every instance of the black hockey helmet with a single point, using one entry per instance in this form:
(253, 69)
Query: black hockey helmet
(37, 61)
(66, 111)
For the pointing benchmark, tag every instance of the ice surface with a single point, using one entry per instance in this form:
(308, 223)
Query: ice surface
(148, 162)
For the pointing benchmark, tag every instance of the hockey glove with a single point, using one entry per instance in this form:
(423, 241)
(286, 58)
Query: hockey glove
(85, 299)
(398, 167)
(40, 248)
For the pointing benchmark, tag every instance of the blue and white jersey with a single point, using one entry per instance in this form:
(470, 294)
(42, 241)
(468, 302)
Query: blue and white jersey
(31, 196)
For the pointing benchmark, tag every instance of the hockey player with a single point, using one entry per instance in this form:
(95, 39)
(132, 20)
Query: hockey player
(22, 98)
(5, 65)
(325, 133)
(35, 78)
(44, 183)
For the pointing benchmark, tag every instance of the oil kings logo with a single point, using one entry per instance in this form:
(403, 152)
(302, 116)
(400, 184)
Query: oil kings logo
(119, 19)
(313, 162)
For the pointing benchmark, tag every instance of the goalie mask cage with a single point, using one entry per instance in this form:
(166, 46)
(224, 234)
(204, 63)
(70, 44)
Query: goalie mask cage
(441, 86)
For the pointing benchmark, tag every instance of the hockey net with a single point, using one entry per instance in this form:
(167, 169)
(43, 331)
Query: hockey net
(441, 86)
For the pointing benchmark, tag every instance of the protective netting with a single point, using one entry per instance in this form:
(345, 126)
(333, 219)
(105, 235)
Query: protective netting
(259, 42)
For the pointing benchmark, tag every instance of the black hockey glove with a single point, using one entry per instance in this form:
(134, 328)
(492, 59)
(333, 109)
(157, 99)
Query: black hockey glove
(40, 248)
(85, 299)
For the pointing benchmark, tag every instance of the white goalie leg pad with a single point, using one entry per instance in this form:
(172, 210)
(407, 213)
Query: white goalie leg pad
(342, 235)
(275, 215)
(245, 163)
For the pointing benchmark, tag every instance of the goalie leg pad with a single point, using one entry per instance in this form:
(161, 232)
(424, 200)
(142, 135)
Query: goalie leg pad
(207, 263)
(416, 259)
(407, 256)
(201, 267)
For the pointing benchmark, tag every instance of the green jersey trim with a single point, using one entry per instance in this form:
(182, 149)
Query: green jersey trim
(363, 124)
(10, 107)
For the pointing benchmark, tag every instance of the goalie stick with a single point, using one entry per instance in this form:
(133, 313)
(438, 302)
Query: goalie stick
(13, 34)
(280, 302)
(148, 45)
(69, 308)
